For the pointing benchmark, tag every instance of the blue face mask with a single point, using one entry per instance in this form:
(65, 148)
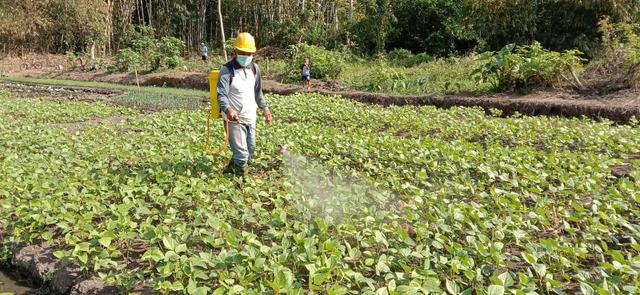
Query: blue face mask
(244, 60)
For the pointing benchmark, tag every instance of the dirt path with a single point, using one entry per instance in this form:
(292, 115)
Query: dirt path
(619, 106)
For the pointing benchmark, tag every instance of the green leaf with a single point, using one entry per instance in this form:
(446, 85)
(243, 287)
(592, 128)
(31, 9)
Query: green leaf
(169, 243)
(452, 287)
(60, 254)
(181, 248)
(382, 291)
(529, 258)
(105, 242)
(199, 291)
(431, 284)
(83, 258)
(177, 286)
(153, 254)
(541, 269)
(506, 279)
(337, 289)
(391, 286)
(237, 289)
(380, 238)
(82, 247)
(495, 290)
(586, 289)
(382, 267)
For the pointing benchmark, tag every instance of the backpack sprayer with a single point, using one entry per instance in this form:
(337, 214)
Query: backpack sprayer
(214, 113)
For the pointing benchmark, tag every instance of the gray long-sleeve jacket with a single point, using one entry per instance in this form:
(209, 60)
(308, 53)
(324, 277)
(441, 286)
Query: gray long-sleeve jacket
(244, 93)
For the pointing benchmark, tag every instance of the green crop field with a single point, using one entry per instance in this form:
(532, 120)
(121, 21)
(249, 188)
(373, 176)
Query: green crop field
(369, 200)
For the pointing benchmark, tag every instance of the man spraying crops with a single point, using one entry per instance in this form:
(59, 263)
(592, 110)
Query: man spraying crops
(239, 96)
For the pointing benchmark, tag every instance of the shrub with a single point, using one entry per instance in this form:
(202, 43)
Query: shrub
(528, 66)
(617, 65)
(72, 58)
(399, 54)
(140, 39)
(324, 63)
(173, 62)
(170, 51)
(417, 59)
(386, 79)
(228, 45)
(77, 59)
(144, 52)
(127, 59)
(96, 64)
(171, 46)
(405, 58)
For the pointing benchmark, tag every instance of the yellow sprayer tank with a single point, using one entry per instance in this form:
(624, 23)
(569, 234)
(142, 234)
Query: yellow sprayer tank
(213, 91)
(214, 113)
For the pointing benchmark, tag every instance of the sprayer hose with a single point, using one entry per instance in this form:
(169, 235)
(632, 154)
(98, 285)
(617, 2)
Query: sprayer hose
(206, 140)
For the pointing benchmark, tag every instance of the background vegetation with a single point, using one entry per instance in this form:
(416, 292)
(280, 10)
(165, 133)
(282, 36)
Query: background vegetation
(437, 27)
(403, 46)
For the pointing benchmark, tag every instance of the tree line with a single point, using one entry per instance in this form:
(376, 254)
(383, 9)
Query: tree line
(437, 27)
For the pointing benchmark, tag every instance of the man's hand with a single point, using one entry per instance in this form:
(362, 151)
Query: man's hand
(268, 118)
(232, 115)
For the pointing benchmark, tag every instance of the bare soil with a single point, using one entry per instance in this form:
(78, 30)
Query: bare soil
(32, 63)
(62, 92)
(11, 283)
(624, 170)
(619, 106)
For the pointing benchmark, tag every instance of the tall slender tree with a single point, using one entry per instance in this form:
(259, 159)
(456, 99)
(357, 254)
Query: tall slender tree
(224, 41)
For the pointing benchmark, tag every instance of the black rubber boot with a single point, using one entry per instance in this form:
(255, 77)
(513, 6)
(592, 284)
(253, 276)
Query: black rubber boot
(235, 169)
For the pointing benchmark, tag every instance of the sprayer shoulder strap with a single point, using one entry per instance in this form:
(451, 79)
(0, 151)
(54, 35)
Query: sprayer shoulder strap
(232, 71)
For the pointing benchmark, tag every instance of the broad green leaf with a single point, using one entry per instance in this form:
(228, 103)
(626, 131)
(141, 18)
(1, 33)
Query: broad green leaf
(382, 267)
(495, 290)
(181, 248)
(452, 287)
(154, 254)
(169, 243)
(529, 258)
(431, 284)
(586, 289)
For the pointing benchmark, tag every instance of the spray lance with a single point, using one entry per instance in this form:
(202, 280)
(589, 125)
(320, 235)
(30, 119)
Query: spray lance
(214, 113)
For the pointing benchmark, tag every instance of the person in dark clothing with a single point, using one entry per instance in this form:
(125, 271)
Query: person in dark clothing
(306, 74)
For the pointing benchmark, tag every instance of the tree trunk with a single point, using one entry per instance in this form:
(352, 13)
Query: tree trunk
(255, 21)
(224, 41)
(302, 16)
(335, 17)
(203, 28)
(144, 19)
(280, 11)
(212, 33)
(149, 13)
(350, 9)
(139, 12)
(383, 24)
(109, 26)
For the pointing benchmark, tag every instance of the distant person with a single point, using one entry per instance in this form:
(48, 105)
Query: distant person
(239, 96)
(306, 74)
(204, 52)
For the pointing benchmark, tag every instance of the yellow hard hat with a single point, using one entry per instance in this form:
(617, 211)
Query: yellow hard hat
(245, 42)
